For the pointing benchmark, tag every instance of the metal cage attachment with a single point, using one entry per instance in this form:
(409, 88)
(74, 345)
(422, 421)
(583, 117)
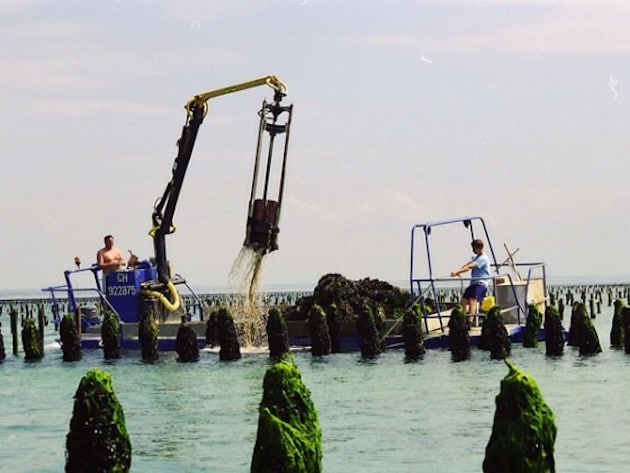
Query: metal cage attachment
(264, 207)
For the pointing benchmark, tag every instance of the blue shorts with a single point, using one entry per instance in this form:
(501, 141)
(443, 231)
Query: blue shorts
(475, 291)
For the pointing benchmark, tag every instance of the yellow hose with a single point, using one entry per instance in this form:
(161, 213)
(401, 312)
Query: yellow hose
(172, 306)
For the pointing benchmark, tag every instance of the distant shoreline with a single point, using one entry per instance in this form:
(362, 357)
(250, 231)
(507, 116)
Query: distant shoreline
(7, 295)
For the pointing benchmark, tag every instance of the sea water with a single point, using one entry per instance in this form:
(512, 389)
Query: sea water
(376, 416)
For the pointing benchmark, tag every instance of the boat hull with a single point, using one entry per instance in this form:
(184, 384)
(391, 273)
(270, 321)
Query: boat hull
(298, 336)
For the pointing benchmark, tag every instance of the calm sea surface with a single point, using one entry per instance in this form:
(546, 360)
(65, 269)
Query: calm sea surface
(378, 416)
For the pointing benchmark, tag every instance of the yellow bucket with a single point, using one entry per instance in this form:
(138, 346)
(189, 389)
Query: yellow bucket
(487, 303)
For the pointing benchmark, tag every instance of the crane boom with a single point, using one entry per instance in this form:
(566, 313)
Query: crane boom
(164, 209)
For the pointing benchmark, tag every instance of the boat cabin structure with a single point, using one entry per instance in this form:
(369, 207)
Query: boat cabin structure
(514, 286)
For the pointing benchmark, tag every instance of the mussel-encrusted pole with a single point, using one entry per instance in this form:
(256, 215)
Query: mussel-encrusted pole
(617, 333)
(458, 338)
(370, 340)
(289, 437)
(277, 334)
(212, 328)
(228, 339)
(110, 334)
(318, 329)
(625, 313)
(532, 327)
(148, 328)
(588, 341)
(3, 354)
(98, 440)
(13, 315)
(499, 342)
(575, 335)
(554, 332)
(186, 343)
(333, 317)
(33, 349)
(70, 340)
(412, 333)
(524, 429)
(41, 324)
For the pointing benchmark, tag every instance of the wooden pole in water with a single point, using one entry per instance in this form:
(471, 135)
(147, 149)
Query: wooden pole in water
(40, 325)
(14, 316)
(625, 312)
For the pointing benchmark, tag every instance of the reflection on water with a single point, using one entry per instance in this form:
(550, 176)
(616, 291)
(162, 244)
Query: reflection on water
(382, 415)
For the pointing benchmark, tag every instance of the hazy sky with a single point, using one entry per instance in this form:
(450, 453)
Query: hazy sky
(405, 112)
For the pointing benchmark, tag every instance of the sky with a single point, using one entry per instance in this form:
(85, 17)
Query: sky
(405, 112)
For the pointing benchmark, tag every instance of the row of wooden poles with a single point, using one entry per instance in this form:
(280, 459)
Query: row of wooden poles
(31, 316)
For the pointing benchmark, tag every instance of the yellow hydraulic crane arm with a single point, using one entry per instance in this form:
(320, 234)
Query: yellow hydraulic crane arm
(196, 109)
(202, 99)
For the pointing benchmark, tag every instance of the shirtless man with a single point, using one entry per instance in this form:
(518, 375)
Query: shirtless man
(109, 258)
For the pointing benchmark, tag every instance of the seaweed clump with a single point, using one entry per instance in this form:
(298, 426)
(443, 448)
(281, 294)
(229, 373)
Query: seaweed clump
(524, 430)
(98, 441)
(343, 299)
(554, 332)
(289, 437)
(412, 334)
(186, 343)
(70, 341)
(458, 338)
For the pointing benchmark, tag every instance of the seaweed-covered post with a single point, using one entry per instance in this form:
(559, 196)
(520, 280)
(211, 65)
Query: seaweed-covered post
(277, 334)
(13, 315)
(110, 334)
(3, 354)
(318, 328)
(370, 340)
(148, 329)
(412, 333)
(98, 440)
(333, 318)
(33, 349)
(226, 334)
(458, 338)
(186, 343)
(617, 333)
(554, 332)
(626, 328)
(212, 327)
(574, 337)
(70, 341)
(524, 429)
(588, 341)
(289, 437)
(592, 307)
(41, 323)
(532, 327)
(498, 339)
